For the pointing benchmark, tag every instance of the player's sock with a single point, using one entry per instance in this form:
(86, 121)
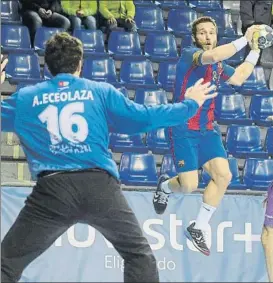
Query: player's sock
(205, 213)
(165, 187)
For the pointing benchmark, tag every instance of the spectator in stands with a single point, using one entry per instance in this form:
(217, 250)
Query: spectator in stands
(36, 13)
(4, 62)
(118, 14)
(256, 12)
(81, 13)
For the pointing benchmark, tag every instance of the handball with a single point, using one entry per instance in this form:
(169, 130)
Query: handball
(264, 37)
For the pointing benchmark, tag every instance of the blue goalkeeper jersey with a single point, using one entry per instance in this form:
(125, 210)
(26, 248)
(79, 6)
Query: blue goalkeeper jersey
(63, 123)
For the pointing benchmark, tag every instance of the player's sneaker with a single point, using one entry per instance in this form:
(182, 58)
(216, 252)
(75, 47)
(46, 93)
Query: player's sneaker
(198, 238)
(161, 198)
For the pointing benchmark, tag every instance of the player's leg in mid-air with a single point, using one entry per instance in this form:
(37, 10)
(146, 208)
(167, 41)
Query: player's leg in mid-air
(206, 150)
(185, 158)
(267, 234)
(212, 156)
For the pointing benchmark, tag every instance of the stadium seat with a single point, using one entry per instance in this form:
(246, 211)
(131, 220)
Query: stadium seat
(93, 42)
(255, 84)
(138, 169)
(244, 141)
(124, 91)
(149, 18)
(172, 4)
(223, 21)
(261, 106)
(125, 143)
(230, 109)
(269, 141)
(258, 173)
(186, 41)
(207, 5)
(238, 58)
(136, 73)
(15, 38)
(166, 75)
(179, 21)
(123, 45)
(46, 74)
(224, 87)
(167, 166)
(160, 46)
(101, 70)
(150, 97)
(41, 36)
(234, 169)
(144, 3)
(157, 142)
(23, 68)
(10, 12)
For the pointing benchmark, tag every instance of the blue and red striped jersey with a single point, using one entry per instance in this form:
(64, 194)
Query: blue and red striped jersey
(188, 71)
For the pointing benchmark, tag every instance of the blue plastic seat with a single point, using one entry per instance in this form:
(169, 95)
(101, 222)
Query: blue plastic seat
(125, 143)
(157, 142)
(180, 20)
(144, 3)
(230, 109)
(166, 75)
(207, 5)
(93, 42)
(137, 73)
(150, 97)
(261, 107)
(138, 169)
(42, 35)
(124, 91)
(167, 166)
(123, 45)
(101, 70)
(160, 46)
(234, 169)
(238, 58)
(15, 38)
(224, 22)
(244, 141)
(23, 68)
(10, 13)
(172, 4)
(46, 74)
(186, 41)
(255, 84)
(269, 141)
(258, 173)
(149, 18)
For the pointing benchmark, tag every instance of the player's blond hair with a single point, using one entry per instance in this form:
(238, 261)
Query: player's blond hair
(199, 21)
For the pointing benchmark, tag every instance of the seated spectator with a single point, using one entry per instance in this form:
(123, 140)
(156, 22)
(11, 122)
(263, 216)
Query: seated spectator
(36, 13)
(255, 12)
(118, 14)
(81, 13)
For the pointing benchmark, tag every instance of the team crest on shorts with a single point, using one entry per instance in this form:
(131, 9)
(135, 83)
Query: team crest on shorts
(181, 163)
